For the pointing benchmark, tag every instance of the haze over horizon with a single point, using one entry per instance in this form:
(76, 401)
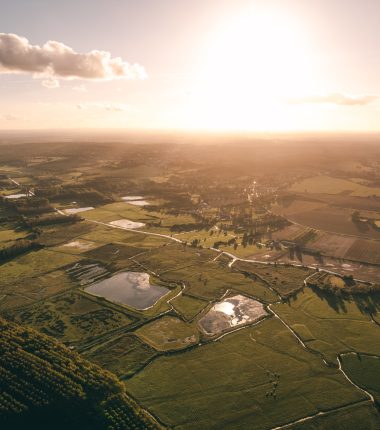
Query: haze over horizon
(236, 66)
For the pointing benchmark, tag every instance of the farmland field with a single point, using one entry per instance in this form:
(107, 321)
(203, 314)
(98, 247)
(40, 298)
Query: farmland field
(209, 312)
(261, 369)
(329, 185)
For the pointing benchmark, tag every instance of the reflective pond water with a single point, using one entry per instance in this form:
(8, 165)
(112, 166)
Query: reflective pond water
(231, 312)
(129, 288)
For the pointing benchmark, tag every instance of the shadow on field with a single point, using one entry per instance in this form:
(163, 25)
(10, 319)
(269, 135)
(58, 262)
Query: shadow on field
(335, 302)
(367, 304)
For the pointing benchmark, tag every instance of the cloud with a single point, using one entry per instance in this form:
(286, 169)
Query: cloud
(336, 98)
(54, 60)
(50, 83)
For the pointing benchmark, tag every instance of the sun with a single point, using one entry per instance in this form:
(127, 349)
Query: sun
(251, 66)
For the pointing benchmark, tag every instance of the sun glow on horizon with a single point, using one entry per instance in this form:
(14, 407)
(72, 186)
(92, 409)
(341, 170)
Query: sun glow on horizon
(259, 60)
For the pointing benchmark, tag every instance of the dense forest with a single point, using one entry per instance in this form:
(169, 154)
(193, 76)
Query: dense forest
(46, 385)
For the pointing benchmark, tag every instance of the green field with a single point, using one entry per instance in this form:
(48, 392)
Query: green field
(259, 378)
(124, 355)
(29, 290)
(72, 317)
(328, 185)
(364, 370)
(330, 325)
(168, 333)
(209, 281)
(33, 264)
(188, 306)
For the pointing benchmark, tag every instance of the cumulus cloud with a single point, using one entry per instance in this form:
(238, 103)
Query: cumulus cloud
(337, 99)
(55, 60)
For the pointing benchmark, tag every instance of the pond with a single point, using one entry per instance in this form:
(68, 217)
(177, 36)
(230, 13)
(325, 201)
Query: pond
(77, 210)
(126, 223)
(15, 196)
(129, 288)
(135, 200)
(231, 312)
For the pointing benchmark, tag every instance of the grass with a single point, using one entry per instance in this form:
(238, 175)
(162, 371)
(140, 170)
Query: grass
(117, 254)
(259, 377)
(174, 256)
(33, 264)
(209, 281)
(168, 333)
(364, 370)
(29, 290)
(124, 355)
(333, 326)
(188, 306)
(328, 185)
(59, 234)
(284, 279)
(7, 235)
(104, 234)
(72, 317)
(351, 418)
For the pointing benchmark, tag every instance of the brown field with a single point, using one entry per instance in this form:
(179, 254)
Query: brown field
(352, 202)
(297, 206)
(336, 220)
(333, 244)
(290, 232)
(364, 250)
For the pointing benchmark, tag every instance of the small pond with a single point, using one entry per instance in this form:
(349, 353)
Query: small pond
(126, 223)
(135, 200)
(231, 312)
(129, 288)
(77, 210)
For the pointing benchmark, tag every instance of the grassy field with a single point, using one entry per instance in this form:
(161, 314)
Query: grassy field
(168, 333)
(257, 378)
(174, 256)
(124, 355)
(188, 306)
(331, 326)
(27, 291)
(7, 235)
(33, 264)
(72, 317)
(211, 280)
(326, 184)
(283, 279)
(350, 418)
(104, 234)
(364, 370)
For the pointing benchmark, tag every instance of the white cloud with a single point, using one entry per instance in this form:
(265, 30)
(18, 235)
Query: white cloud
(55, 60)
(336, 98)
(50, 83)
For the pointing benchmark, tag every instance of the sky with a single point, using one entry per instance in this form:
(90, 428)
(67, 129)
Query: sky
(236, 65)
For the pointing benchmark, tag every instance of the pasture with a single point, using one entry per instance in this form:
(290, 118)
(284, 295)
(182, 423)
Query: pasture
(259, 377)
(168, 333)
(72, 317)
(123, 355)
(323, 184)
(331, 325)
(364, 370)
